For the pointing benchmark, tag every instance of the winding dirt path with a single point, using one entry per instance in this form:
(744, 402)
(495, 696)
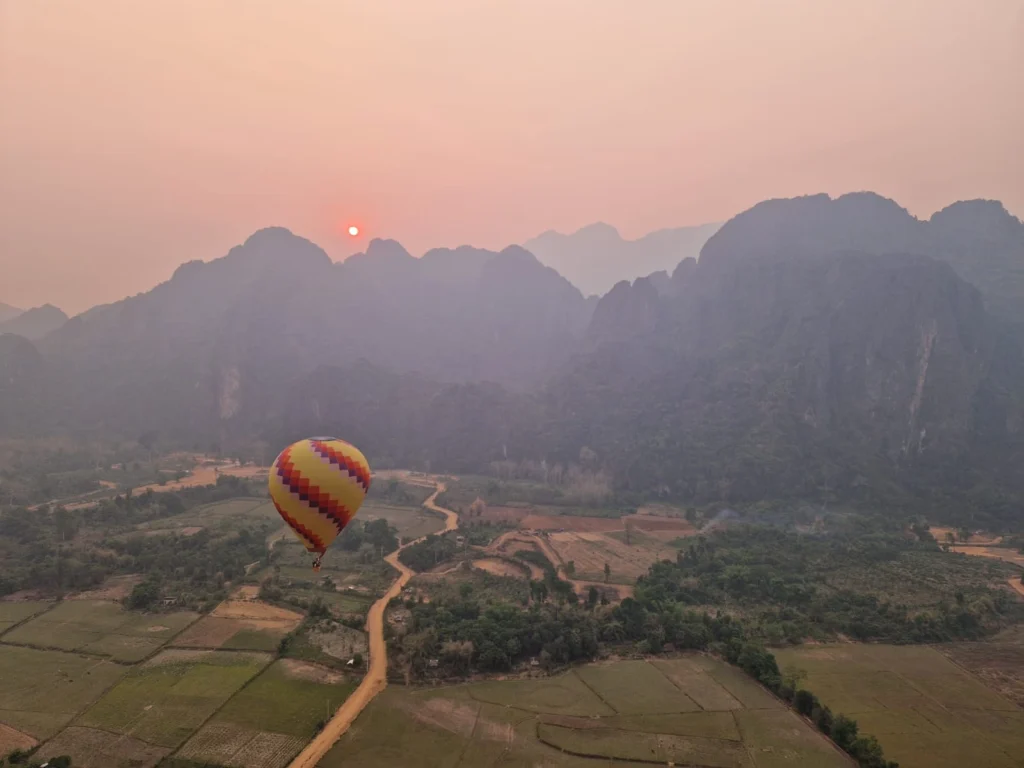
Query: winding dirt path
(376, 676)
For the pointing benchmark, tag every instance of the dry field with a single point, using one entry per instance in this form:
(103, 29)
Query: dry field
(11, 739)
(690, 711)
(94, 748)
(243, 624)
(591, 551)
(925, 710)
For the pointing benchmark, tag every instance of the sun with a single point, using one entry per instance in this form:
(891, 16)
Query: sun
(353, 231)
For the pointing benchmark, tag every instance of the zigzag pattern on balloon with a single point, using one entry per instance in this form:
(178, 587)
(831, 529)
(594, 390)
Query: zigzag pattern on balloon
(312, 538)
(355, 469)
(337, 512)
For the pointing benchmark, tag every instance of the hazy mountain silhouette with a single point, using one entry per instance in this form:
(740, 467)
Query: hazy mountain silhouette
(816, 343)
(596, 257)
(220, 342)
(7, 312)
(35, 323)
(978, 238)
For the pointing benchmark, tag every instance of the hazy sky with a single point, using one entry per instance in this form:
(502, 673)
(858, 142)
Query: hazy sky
(136, 135)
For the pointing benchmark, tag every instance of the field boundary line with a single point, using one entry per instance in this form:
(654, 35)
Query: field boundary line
(246, 684)
(88, 654)
(592, 690)
(1014, 706)
(27, 619)
(673, 683)
(472, 732)
(963, 721)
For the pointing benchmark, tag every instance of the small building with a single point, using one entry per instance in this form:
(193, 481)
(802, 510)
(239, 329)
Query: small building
(432, 663)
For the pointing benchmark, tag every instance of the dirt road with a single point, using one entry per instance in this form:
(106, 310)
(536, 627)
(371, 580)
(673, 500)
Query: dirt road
(376, 676)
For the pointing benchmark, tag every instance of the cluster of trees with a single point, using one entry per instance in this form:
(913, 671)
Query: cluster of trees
(433, 550)
(24, 758)
(381, 538)
(463, 633)
(785, 582)
(46, 551)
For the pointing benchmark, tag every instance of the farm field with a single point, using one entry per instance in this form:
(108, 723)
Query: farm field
(998, 662)
(925, 710)
(240, 624)
(100, 627)
(590, 551)
(12, 612)
(220, 516)
(599, 715)
(44, 690)
(266, 724)
(164, 701)
(411, 522)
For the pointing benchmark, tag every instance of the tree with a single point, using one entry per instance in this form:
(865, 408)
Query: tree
(844, 732)
(804, 702)
(607, 572)
(570, 568)
(357, 660)
(144, 595)
(593, 596)
(964, 533)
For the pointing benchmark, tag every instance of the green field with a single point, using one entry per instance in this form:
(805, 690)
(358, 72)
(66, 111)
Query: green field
(283, 700)
(609, 714)
(164, 701)
(926, 711)
(220, 516)
(272, 717)
(410, 522)
(15, 613)
(100, 627)
(42, 690)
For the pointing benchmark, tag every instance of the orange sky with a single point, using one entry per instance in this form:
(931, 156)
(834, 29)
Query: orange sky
(137, 135)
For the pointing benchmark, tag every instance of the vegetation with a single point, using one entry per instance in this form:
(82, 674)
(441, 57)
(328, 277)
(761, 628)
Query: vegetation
(432, 551)
(868, 582)
(49, 552)
(592, 715)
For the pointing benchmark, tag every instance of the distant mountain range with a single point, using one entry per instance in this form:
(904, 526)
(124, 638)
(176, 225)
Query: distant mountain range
(816, 344)
(597, 257)
(7, 312)
(34, 323)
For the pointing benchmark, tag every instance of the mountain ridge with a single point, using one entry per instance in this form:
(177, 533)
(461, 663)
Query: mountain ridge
(596, 257)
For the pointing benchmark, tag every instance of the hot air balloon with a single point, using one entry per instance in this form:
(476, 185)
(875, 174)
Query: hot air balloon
(317, 486)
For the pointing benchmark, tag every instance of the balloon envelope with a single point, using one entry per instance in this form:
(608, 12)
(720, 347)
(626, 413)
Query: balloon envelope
(317, 486)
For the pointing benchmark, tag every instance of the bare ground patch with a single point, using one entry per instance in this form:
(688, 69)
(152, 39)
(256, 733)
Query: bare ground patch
(254, 610)
(11, 739)
(499, 567)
